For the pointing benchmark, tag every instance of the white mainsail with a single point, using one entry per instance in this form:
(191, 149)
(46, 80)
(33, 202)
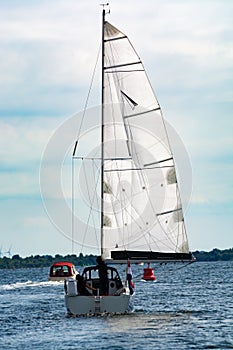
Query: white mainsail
(142, 211)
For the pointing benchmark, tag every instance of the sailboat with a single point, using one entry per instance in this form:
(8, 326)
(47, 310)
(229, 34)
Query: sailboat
(141, 216)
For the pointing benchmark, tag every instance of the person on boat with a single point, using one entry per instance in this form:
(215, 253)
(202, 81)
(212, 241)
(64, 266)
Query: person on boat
(59, 272)
(103, 275)
(129, 277)
(82, 286)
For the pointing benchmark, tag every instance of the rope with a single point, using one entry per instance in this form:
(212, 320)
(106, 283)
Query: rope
(87, 100)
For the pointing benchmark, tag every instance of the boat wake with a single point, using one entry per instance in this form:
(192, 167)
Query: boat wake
(27, 284)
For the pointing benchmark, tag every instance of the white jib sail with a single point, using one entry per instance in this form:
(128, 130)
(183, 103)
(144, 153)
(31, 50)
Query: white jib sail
(142, 206)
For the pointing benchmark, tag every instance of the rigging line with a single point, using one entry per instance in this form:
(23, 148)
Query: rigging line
(169, 271)
(113, 114)
(178, 226)
(95, 196)
(167, 235)
(142, 174)
(122, 113)
(156, 100)
(191, 262)
(179, 209)
(114, 212)
(126, 201)
(142, 180)
(116, 81)
(118, 89)
(90, 211)
(158, 222)
(73, 241)
(155, 240)
(139, 226)
(123, 76)
(114, 126)
(72, 208)
(111, 58)
(126, 210)
(121, 234)
(160, 141)
(137, 153)
(91, 207)
(182, 228)
(110, 89)
(87, 100)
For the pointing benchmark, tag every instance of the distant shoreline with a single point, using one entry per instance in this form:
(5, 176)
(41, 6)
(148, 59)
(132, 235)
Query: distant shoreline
(16, 262)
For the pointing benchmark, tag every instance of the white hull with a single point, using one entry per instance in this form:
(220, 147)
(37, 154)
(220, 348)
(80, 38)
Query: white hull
(117, 300)
(61, 279)
(96, 305)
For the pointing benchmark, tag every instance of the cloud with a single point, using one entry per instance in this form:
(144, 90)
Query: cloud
(48, 52)
(22, 141)
(36, 222)
(24, 138)
(44, 58)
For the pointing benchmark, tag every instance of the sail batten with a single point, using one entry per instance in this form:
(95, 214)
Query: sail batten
(113, 39)
(124, 71)
(169, 211)
(141, 113)
(159, 161)
(122, 65)
(136, 169)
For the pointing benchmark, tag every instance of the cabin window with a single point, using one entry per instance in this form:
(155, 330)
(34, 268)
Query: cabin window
(60, 271)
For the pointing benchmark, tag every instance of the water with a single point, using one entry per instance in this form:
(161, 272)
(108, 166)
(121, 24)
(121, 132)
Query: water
(187, 308)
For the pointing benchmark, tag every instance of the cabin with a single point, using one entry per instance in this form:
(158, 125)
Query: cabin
(91, 277)
(61, 271)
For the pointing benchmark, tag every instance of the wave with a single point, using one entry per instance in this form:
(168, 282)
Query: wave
(28, 284)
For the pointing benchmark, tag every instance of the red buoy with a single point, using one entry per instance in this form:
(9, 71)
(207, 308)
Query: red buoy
(149, 274)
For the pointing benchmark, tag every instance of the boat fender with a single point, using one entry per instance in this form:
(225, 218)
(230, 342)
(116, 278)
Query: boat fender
(72, 288)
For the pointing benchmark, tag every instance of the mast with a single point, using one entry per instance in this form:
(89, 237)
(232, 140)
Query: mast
(102, 138)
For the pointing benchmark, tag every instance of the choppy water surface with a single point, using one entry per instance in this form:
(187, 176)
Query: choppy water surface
(187, 308)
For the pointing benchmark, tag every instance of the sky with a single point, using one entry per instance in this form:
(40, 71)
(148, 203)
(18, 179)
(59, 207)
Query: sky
(48, 50)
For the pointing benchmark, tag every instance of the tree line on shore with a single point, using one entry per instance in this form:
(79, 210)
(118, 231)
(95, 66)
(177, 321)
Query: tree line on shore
(16, 262)
(47, 260)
